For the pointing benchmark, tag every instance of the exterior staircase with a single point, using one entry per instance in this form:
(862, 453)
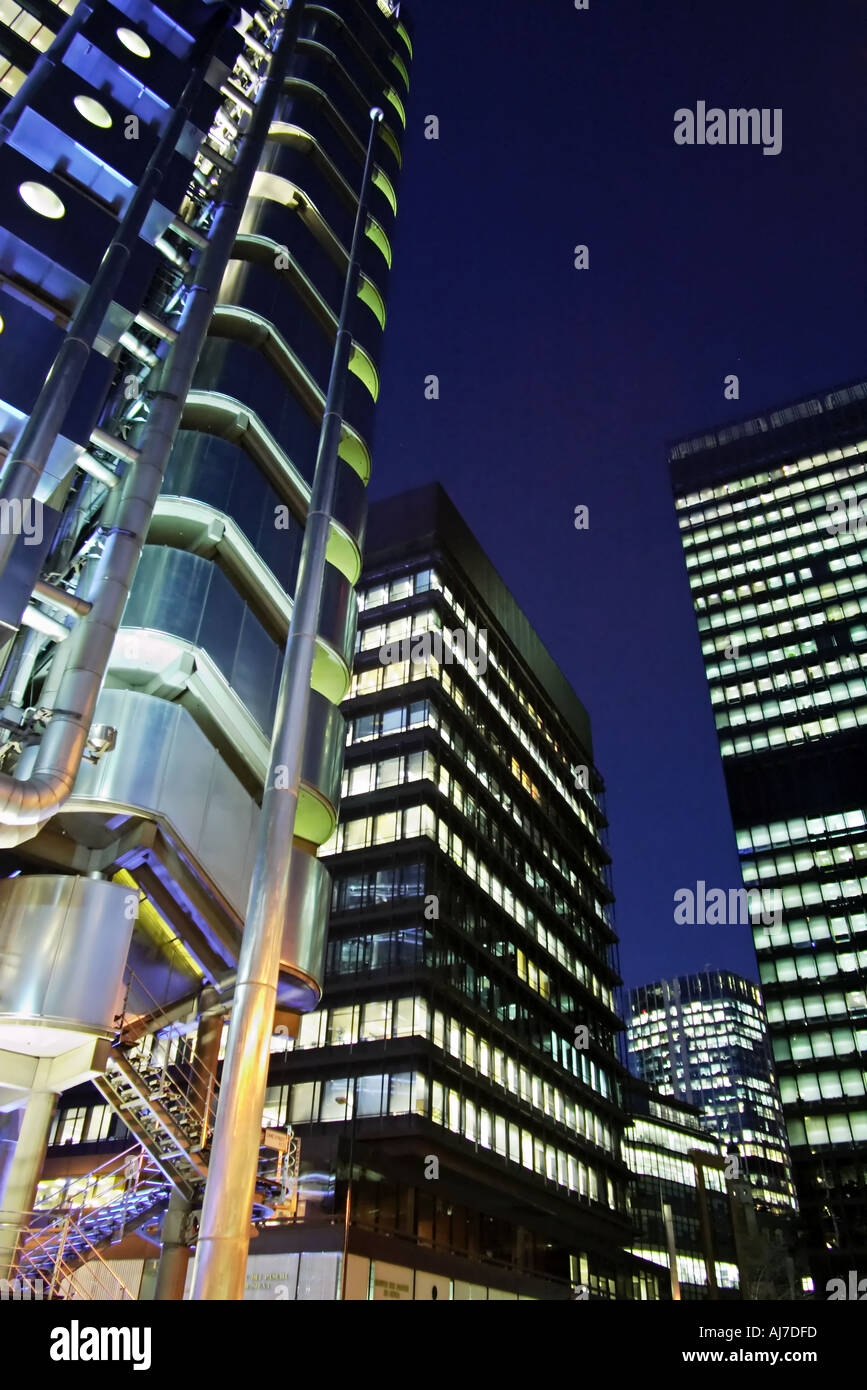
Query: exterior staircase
(168, 1102)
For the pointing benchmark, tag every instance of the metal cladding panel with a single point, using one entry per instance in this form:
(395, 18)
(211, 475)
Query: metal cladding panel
(63, 947)
(302, 957)
(350, 502)
(164, 767)
(338, 614)
(322, 760)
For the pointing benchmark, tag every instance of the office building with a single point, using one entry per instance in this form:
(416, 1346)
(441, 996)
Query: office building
(769, 511)
(181, 184)
(704, 1038)
(458, 1091)
(680, 1202)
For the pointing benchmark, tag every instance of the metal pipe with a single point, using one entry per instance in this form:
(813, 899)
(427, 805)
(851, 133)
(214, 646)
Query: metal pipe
(224, 1233)
(26, 804)
(112, 445)
(25, 469)
(71, 602)
(41, 622)
(42, 69)
(97, 470)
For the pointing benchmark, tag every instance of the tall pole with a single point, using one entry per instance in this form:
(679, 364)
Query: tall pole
(224, 1233)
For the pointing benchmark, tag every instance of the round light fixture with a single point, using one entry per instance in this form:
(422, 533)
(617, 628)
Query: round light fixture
(134, 42)
(92, 111)
(41, 199)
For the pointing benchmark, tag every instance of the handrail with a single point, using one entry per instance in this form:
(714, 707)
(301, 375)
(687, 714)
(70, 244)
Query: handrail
(121, 1160)
(201, 1088)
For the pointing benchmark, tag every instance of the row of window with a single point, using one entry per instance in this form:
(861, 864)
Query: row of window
(747, 660)
(795, 895)
(409, 1093)
(820, 966)
(389, 826)
(730, 617)
(777, 865)
(380, 1020)
(824, 1042)
(837, 697)
(651, 1163)
(360, 891)
(823, 1085)
(81, 1124)
(799, 478)
(819, 1004)
(414, 946)
(401, 588)
(848, 1128)
(380, 951)
(789, 471)
(736, 610)
(797, 828)
(778, 736)
(690, 1269)
(668, 1140)
(820, 674)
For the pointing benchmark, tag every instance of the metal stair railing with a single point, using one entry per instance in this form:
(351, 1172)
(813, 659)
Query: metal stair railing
(56, 1264)
(57, 1240)
(188, 1089)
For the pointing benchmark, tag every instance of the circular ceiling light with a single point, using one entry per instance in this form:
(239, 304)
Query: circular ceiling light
(134, 42)
(92, 111)
(41, 199)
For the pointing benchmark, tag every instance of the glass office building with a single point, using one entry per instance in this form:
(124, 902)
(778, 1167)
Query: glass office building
(214, 155)
(458, 1092)
(704, 1038)
(769, 511)
(680, 1202)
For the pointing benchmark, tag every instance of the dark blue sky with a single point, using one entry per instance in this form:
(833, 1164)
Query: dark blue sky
(560, 387)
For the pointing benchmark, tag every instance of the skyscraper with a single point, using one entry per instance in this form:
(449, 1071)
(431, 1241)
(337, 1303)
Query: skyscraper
(770, 520)
(180, 188)
(704, 1039)
(457, 1095)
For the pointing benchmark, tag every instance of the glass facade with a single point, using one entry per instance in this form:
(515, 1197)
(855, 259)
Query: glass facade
(471, 945)
(773, 534)
(704, 1038)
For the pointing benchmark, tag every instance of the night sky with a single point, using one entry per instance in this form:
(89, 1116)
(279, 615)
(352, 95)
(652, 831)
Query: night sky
(560, 386)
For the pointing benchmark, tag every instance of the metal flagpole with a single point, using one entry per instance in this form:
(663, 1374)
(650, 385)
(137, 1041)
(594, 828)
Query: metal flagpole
(224, 1233)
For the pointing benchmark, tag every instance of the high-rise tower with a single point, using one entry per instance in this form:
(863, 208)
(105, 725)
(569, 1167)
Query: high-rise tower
(704, 1039)
(770, 516)
(457, 1095)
